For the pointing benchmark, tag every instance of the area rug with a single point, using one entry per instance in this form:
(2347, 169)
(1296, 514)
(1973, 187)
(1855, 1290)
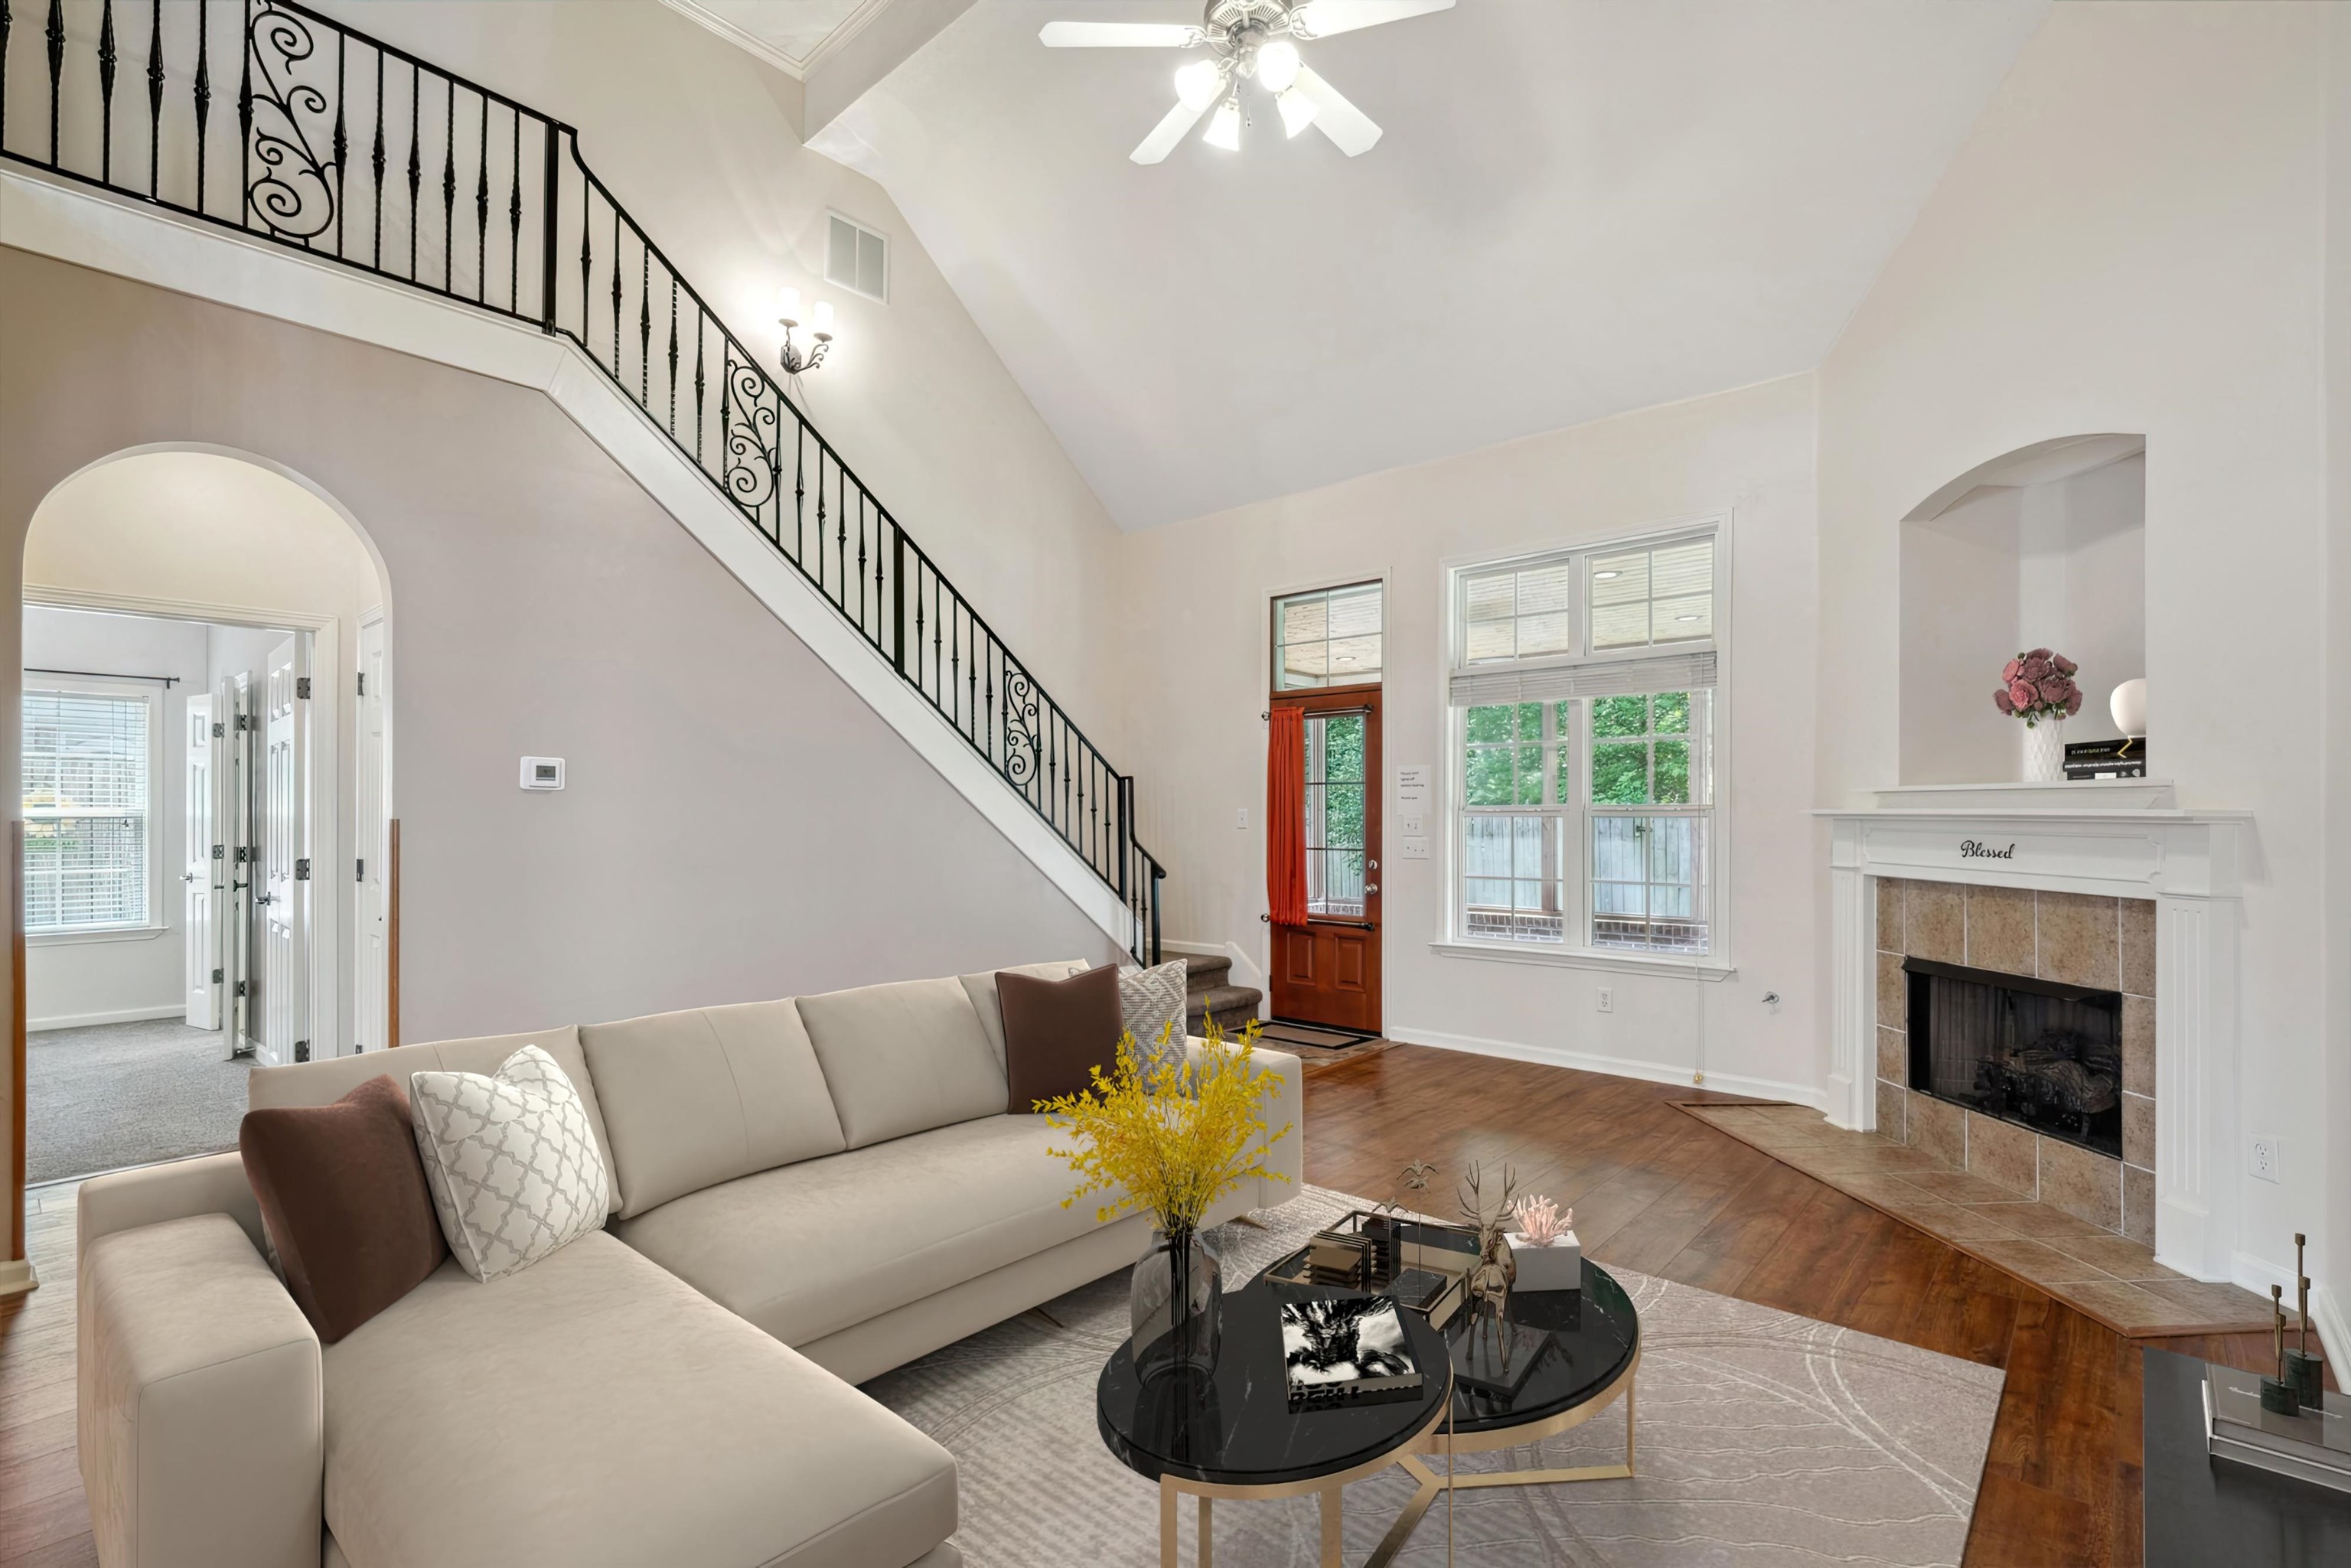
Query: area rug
(1764, 1439)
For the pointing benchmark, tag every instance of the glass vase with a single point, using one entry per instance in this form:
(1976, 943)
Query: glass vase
(1173, 1306)
(2044, 752)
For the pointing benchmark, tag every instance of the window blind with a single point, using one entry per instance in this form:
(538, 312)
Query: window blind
(1590, 678)
(86, 762)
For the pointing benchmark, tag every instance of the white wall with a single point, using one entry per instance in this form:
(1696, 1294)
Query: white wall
(695, 139)
(2133, 239)
(110, 976)
(2082, 583)
(1197, 593)
(207, 530)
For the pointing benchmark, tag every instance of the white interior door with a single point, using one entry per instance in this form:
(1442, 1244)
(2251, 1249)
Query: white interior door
(282, 970)
(232, 805)
(372, 896)
(201, 876)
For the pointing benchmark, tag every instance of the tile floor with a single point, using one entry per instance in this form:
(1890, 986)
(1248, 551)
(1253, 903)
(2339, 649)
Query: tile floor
(2107, 1276)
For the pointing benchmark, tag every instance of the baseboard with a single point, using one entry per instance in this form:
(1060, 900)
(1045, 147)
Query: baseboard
(121, 1014)
(1615, 1066)
(17, 1277)
(2334, 1328)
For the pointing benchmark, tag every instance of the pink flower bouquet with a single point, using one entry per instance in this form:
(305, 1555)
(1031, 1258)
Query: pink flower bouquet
(2039, 685)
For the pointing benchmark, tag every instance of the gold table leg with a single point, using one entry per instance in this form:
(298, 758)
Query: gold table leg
(1168, 1556)
(1331, 1528)
(1208, 1554)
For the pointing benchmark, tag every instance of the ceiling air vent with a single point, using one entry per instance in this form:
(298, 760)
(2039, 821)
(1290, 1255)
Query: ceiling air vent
(856, 258)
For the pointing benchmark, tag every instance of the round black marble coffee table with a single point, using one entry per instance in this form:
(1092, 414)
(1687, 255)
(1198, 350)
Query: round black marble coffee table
(1232, 1433)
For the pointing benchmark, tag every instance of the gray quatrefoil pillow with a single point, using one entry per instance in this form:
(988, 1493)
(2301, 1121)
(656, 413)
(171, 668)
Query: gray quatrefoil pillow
(511, 1160)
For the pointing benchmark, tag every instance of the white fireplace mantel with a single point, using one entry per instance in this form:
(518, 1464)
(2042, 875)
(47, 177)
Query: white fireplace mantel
(2113, 839)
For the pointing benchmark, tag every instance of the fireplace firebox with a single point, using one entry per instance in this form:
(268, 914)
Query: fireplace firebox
(2039, 1053)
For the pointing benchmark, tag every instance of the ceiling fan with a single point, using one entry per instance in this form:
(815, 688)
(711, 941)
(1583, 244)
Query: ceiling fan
(1248, 38)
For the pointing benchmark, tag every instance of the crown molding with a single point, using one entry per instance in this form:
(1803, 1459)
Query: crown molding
(832, 43)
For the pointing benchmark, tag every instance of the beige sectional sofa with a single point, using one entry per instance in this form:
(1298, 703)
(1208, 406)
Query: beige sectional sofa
(804, 1193)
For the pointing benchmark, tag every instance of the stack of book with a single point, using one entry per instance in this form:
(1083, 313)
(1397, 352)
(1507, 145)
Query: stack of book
(1337, 1351)
(2124, 759)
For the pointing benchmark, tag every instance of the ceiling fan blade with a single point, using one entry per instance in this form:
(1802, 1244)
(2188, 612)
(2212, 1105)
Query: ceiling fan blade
(1168, 132)
(1336, 118)
(1118, 34)
(1324, 18)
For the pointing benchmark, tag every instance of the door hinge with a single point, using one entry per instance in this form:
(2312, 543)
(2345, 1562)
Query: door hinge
(216, 729)
(362, 683)
(302, 1050)
(244, 853)
(220, 851)
(302, 869)
(240, 988)
(244, 722)
(302, 686)
(217, 977)
(361, 875)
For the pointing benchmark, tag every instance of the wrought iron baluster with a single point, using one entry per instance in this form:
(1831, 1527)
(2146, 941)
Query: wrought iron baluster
(673, 354)
(482, 207)
(57, 41)
(514, 219)
(448, 181)
(294, 196)
(551, 196)
(203, 89)
(342, 145)
(245, 123)
(799, 495)
(7, 21)
(841, 536)
(375, 169)
(819, 516)
(616, 291)
(154, 98)
(700, 329)
(587, 200)
(415, 159)
(860, 567)
(644, 323)
(106, 58)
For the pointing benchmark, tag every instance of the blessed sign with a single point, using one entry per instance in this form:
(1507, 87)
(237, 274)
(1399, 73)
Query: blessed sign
(1976, 850)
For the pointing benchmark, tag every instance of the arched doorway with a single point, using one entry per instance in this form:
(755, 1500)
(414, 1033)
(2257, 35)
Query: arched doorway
(204, 731)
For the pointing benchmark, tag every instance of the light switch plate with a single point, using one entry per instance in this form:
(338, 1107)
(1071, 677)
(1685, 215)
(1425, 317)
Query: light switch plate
(542, 773)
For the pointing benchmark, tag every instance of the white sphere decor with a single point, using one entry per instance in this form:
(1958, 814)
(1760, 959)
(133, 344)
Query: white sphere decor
(2128, 705)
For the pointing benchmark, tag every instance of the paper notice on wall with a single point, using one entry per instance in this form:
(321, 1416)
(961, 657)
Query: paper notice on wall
(1414, 792)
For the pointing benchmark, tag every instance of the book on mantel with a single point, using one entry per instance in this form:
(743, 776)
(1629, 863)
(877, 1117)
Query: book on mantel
(1334, 1350)
(2122, 758)
(2313, 1447)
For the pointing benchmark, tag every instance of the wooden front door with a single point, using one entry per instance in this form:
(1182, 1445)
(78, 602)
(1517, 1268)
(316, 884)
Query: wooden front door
(1328, 971)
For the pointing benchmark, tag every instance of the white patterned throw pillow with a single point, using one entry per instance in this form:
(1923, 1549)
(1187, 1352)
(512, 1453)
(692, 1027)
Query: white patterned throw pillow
(1150, 1000)
(511, 1160)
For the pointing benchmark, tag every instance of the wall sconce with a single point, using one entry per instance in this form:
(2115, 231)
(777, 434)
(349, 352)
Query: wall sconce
(793, 358)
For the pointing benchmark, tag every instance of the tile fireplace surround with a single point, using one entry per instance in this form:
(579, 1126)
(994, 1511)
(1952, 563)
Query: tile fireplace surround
(2104, 884)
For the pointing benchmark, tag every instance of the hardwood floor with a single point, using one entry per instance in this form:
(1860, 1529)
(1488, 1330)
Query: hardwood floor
(1659, 1191)
(1653, 1190)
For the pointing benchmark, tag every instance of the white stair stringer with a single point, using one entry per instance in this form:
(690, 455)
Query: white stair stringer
(88, 227)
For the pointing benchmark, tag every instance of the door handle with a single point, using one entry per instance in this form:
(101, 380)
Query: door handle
(1371, 890)
(187, 876)
(265, 898)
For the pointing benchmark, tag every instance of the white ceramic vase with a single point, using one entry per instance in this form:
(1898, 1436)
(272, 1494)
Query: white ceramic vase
(1556, 1265)
(2044, 752)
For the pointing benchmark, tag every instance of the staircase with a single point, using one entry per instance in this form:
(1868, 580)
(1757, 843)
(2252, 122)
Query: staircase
(1210, 994)
(271, 120)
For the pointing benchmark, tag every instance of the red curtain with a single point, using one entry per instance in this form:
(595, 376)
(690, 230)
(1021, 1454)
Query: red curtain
(1285, 816)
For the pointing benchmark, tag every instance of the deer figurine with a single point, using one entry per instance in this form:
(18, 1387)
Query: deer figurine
(1488, 1283)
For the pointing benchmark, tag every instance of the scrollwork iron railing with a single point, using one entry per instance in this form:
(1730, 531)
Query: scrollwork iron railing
(354, 151)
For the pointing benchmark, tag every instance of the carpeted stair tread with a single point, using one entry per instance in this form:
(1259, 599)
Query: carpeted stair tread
(1231, 1006)
(1203, 973)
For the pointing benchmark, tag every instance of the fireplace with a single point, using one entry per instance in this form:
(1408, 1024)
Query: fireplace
(2040, 1053)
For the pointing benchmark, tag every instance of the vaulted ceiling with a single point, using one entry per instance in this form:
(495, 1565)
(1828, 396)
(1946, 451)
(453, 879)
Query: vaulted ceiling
(1580, 207)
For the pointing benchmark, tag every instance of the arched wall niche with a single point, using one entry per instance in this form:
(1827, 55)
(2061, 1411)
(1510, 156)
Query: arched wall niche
(2044, 546)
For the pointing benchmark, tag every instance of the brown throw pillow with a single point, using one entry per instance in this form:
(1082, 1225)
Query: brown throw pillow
(1055, 1030)
(342, 1191)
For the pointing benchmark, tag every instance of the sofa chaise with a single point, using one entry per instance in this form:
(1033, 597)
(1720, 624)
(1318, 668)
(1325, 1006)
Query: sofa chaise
(804, 1195)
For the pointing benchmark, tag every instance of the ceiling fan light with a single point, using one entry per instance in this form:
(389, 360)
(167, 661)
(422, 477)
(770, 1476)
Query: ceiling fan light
(1297, 111)
(1225, 127)
(1276, 66)
(1198, 84)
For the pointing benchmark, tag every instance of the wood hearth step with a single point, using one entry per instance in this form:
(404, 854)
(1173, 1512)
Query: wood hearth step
(1211, 994)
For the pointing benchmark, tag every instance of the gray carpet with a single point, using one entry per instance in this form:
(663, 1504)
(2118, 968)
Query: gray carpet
(120, 1094)
(1764, 1439)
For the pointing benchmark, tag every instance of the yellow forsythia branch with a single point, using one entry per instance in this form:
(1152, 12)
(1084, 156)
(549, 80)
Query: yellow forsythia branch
(1172, 1138)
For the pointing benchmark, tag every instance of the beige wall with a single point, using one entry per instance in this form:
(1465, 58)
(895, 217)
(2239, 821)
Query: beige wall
(737, 824)
(1199, 595)
(2135, 239)
(695, 136)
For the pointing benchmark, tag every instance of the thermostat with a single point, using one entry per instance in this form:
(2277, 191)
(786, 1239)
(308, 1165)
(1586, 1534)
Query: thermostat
(542, 773)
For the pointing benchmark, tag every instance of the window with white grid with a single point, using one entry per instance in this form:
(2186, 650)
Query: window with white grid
(1585, 789)
(88, 774)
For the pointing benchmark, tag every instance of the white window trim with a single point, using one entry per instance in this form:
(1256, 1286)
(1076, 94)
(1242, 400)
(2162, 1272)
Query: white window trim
(889, 245)
(155, 924)
(1718, 963)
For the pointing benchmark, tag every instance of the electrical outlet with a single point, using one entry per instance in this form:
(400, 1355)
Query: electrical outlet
(2266, 1156)
(1607, 997)
(1240, 819)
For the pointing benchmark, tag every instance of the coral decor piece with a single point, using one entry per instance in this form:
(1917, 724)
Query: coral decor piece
(1540, 1221)
(2038, 688)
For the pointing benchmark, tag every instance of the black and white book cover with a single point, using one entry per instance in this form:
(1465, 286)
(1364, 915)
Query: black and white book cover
(1338, 1349)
